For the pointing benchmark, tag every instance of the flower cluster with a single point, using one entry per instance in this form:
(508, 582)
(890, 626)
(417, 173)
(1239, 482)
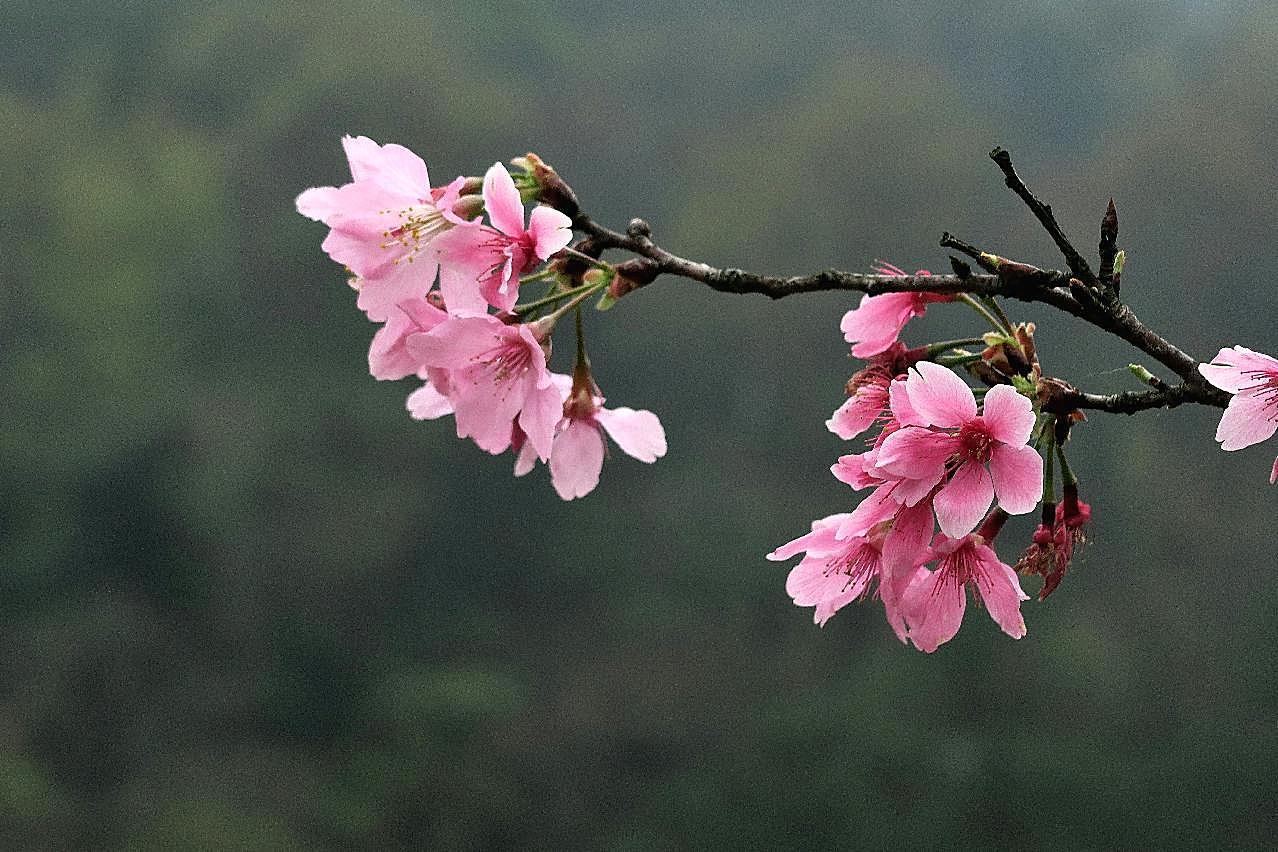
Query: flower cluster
(481, 358)
(936, 461)
(936, 464)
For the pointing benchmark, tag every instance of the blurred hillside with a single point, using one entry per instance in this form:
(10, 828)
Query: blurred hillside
(248, 603)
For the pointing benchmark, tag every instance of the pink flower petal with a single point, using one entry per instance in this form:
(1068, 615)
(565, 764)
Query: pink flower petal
(466, 256)
(877, 322)
(963, 501)
(858, 413)
(1018, 477)
(909, 492)
(319, 203)
(811, 583)
(576, 458)
(874, 509)
(1273, 474)
(899, 402)
(857, 471)
(1008, 415)
(638, 433)
(550, 230)
(939, 396)
(380, 298)
(820, 539)
(1247, 420)
(1001, 593)
(916, 453)
(904, 546)
(502, 203)
(934, 609)
(525, 460)
(426, 403)
(456, 341)
(1241, 368)
(541, 411)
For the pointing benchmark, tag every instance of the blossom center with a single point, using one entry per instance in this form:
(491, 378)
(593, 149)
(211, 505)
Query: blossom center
(1265, 386)
(419, 224)
(860, 565)
(975, 441)
(505, 362)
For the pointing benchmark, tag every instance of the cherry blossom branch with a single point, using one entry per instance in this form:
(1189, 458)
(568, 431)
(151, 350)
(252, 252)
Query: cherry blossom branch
(1081, 294)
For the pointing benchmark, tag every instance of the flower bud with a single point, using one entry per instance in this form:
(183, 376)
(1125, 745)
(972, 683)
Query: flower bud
(552, 191)
(469, 206)
(633, 274)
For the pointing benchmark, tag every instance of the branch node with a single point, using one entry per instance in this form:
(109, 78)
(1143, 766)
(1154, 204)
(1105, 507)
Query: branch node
(639, 229)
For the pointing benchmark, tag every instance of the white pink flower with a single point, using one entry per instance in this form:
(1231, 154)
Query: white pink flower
(1252, 414)
(388, 355)
(382, 220)
(497, 377)
(577, 455)
(935, 600)
(944, 440)
(481, 265)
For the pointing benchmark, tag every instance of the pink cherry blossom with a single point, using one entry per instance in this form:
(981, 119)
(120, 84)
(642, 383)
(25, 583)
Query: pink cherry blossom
(1252, 414)
(388, 356)
(577, 455)
(382, 220)
(935, 600)
(481, 265)
(868, 393)
(497, 376)
(877, 322)
(948, 442)
(848, 554)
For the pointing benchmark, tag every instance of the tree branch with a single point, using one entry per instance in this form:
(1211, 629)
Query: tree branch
(1043, 212)
(1081, 295)
(1131, 402)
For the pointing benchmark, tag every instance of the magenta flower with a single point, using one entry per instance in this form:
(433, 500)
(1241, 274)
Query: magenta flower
(382, 220)
(497, 377)
(946, 441)
(577, 454)
(867, 391)
(872, 550)
(877, 322)
(935, 600)
(481, 265)
(1252, 415)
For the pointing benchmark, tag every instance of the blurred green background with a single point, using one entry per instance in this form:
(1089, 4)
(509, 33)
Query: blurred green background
(246, 602)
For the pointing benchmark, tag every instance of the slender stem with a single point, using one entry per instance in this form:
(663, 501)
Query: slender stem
(589, 291)
(1049, 469)
(585, 258)
(937, 348)
(539, 275)
(582, 361)
(957, 360)
(553, 297)
(997, 310)
(1067, 474)
(976, 305)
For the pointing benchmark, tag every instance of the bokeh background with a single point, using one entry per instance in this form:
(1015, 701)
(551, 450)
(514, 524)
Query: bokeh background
(246, 602)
